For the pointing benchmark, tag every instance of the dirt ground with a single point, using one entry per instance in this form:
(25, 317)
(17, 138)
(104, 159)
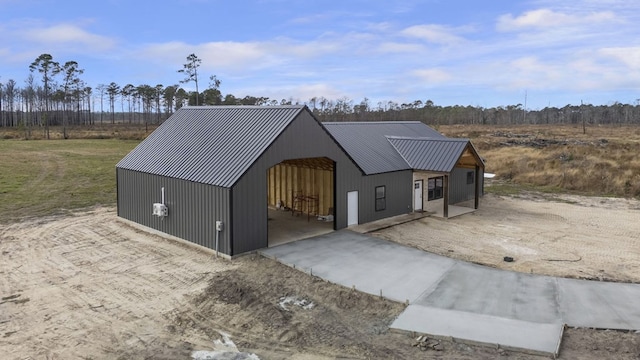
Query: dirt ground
(559, 235)
(88, 286)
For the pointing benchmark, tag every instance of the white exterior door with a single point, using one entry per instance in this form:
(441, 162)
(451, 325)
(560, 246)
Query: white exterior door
(417, 195)
(352, 208)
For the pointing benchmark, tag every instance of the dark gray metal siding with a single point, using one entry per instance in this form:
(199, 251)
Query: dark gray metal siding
(459, 190)
(399, 192)
(193, 207)
(304, 138)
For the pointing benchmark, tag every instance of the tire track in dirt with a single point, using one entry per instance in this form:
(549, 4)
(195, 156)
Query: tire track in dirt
(94, 286)
(88, 286)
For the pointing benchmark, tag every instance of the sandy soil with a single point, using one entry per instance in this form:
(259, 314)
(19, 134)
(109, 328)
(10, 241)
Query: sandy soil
(89, 287)
(558, 235)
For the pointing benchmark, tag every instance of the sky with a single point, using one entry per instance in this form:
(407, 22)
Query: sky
(536, 53)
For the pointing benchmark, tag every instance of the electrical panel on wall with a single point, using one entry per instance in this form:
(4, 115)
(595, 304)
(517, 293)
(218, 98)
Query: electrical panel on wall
(160, 210)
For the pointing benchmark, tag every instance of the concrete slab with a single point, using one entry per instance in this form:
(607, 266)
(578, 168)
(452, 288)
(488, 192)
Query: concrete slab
(483, 290)
(370, 264)
(461, 300)
(526, 336)
(388, 222)
(598, 304)
(454, 211)
(283, 227)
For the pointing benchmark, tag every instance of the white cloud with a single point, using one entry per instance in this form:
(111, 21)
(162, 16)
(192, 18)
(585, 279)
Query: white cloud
(312, 18)
(394, 48)
(247, 57)
(585, 71)
(216, 55)
(547, 18)
(307, 91)
(433, 76)
(67, 35)
(530, 72)
(379, 27)
(630, 56)
(299, 92)
(300, 49)
(438, 34)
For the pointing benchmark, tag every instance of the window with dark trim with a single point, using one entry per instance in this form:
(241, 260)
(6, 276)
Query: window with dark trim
(470, 177)
(381, 198)
(435, 188)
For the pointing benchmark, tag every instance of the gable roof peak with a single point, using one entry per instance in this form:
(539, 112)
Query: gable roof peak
(194, 138)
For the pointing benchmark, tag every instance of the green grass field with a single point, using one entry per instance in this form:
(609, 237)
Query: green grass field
(44, 177)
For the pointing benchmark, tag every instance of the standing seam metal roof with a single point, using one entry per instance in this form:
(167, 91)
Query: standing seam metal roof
(367, 144)
(428, 154)
(212, 145)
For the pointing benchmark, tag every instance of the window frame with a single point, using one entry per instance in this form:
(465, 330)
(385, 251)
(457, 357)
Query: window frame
(435, 192)
(381, 198)
(471, 177)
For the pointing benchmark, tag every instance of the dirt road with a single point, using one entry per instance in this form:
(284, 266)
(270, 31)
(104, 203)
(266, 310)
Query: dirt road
(88, 286)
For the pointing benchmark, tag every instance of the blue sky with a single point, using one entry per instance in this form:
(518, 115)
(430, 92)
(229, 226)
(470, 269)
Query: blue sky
(479, 53)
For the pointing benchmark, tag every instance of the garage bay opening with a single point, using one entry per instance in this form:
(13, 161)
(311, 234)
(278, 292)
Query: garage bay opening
(301, 194)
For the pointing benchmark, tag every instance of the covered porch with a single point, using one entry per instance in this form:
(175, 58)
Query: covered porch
(447, 173)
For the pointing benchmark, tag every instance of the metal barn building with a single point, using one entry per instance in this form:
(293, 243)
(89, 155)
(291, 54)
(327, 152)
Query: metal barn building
(211, 175)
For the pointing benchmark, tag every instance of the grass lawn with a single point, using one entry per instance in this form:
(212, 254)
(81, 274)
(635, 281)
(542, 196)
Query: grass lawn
(43, 177)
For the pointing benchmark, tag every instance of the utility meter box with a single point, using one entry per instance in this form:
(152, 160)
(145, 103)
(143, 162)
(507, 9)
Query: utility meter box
(160, 210)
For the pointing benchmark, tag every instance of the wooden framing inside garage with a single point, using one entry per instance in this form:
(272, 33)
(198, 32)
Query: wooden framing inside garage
(305, 185)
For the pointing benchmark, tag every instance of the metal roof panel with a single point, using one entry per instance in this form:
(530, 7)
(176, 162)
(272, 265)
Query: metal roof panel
(366, 142)
(213, 145)
(429, 154)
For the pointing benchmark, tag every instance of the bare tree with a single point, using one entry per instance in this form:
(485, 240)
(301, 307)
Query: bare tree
(2, 123)
(113, 90)
(127, 93)
(45, 65)
(101, 90)
(169, 98)
(10, 98)
(29, 96)
(159, 90)
(70, 86)
(88, 91)
(190, 69)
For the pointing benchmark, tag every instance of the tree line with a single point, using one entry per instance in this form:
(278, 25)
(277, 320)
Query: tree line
(346, 110)
(54, 94)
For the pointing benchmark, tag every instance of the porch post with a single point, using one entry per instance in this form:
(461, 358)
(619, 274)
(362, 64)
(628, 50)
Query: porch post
(475, 205)
(445, 185)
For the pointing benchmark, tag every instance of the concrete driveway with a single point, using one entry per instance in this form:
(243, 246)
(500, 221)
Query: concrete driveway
(465, 301)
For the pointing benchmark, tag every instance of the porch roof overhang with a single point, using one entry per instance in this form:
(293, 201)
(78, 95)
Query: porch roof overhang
(437, 154)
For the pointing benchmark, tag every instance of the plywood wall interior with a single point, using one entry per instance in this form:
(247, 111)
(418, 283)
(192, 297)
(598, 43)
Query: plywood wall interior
(286, 179)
